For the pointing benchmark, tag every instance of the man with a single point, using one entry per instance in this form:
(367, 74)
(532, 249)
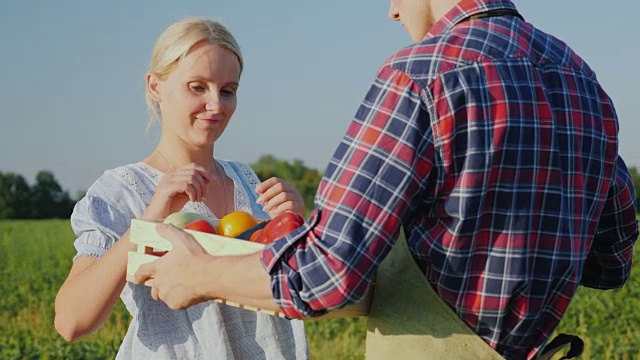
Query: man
(492, 146)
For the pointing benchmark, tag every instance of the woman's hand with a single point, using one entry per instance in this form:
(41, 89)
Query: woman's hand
(187, 183)
(277, 196)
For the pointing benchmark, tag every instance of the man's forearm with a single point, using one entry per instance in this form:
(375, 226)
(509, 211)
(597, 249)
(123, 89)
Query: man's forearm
(240, 279)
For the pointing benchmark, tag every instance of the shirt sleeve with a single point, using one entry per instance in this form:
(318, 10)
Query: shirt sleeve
(97, 225)
(608, 264)
(375, 175)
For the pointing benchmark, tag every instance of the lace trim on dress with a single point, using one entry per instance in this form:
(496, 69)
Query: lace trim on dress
(241, 198)
(132, 180)
(248, 174)
(251, 180)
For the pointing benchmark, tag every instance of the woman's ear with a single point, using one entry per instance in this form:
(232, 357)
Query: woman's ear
(153, 84)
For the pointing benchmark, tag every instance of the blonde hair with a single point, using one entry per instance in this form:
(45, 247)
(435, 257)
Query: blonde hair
(177, 40)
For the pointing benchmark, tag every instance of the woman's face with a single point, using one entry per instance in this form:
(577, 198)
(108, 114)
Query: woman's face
(198, 97)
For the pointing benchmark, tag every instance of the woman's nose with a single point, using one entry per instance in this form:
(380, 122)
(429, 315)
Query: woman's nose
(213, 103)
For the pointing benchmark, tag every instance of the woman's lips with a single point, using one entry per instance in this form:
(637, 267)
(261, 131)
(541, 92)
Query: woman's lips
(210, 120)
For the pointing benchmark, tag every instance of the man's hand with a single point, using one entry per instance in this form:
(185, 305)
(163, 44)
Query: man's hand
(188, 275)
(176, 277)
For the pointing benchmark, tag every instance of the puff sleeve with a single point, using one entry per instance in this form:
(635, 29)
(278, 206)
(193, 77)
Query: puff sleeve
(98, 224)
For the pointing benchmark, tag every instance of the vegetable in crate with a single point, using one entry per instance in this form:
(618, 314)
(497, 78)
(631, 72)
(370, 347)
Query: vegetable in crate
(233, 224)
(181, 219)
(277, 227)
(201, 225)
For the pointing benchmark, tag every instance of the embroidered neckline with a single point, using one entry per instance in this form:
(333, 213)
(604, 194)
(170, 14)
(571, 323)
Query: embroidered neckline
(240, 197)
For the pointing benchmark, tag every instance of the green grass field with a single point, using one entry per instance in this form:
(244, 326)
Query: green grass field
(35, 257)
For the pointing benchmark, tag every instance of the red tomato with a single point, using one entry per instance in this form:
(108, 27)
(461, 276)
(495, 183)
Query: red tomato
(201, 225)
(258, 237)
(282, 225)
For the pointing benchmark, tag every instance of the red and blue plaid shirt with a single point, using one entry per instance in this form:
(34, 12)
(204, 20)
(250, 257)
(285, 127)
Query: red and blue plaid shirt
(495, 148)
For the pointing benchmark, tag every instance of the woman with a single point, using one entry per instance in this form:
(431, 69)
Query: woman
(191, 89)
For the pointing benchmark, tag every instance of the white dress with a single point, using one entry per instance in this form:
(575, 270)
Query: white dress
(205, 331)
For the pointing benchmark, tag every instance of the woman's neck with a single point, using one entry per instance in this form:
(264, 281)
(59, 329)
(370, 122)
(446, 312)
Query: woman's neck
(170, 157)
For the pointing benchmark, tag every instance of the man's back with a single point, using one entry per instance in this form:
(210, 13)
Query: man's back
(524, 142)
(495, 149)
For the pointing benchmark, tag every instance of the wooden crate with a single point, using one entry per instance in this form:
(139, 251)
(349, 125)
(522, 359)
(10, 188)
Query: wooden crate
(144, 234)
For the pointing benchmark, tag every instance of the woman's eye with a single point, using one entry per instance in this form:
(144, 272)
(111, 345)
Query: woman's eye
(197, 87)
(228, 92)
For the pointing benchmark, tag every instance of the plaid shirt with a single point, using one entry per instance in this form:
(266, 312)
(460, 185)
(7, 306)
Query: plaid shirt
(492, 144)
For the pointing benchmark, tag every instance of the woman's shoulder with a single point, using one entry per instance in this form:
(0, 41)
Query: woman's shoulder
(132, 179)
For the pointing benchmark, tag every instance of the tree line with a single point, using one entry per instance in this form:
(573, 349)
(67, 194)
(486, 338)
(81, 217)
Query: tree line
(44, 200)
(47, 200)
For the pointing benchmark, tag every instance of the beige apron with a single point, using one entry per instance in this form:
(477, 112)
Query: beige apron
(408, 320)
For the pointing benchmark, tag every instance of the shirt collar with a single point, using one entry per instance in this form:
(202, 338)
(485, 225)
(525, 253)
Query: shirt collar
(464, 9)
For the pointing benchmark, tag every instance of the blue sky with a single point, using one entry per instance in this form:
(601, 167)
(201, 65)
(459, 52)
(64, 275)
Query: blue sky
(72, 75)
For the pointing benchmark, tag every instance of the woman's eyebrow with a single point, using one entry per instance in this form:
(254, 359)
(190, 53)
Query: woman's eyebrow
(205, 79)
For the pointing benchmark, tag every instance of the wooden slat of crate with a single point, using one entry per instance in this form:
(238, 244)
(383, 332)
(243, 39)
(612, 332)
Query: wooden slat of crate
(144, 234)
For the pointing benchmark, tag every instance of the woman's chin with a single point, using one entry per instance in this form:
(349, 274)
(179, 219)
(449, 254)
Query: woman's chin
(206, 141)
